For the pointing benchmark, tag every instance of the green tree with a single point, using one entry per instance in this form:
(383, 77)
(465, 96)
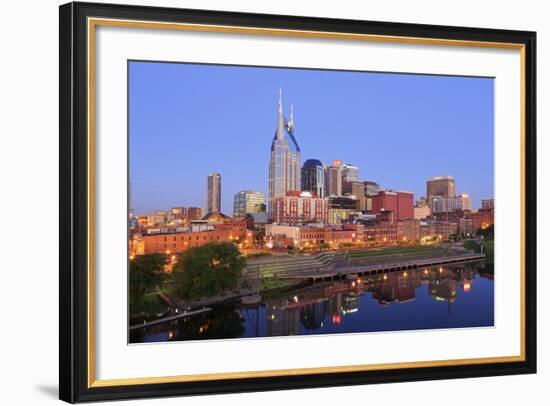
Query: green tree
(488, 233)
(471, 245)
(489, 250)
(207, 270)
(146, 273)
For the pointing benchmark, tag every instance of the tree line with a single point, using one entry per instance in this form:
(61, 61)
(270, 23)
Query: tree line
(208, 270)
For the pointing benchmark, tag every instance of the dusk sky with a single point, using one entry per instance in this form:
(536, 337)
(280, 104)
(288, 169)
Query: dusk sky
(189, 120)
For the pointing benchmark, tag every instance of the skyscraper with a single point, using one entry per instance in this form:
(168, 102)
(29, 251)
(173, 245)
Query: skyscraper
(313, 177)
(284, 164)
(248, 202)
(334, 179)
(213, 192)
(440, 186)
(350, 173)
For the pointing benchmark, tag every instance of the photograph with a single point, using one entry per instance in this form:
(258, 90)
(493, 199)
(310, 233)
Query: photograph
(272, 201)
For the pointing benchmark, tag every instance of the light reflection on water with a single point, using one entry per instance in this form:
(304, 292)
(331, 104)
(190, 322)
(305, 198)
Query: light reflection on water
(452, 296)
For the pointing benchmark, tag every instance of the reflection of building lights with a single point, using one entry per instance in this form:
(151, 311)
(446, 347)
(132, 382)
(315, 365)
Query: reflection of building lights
(272, 317)
(296, 299)
(425, 272)
(170, 335)
(353, 284)
(467, 286)
(132, 257)
(440, 270)
(336, 319)
(385, 277)
(405, 274)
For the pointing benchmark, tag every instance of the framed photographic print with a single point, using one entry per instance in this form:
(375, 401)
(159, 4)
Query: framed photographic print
(257, 202)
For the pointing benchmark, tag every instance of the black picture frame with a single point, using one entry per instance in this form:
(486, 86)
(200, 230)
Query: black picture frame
(74, 200)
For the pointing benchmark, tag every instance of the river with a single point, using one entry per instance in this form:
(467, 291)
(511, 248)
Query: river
(453, 296)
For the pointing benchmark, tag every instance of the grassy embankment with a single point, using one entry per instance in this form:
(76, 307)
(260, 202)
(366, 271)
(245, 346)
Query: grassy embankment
(396, 254)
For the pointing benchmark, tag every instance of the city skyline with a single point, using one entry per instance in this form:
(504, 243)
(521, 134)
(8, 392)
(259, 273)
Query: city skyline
(405, 164)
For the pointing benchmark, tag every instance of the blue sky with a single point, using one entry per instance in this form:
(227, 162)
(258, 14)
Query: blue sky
(188, 120)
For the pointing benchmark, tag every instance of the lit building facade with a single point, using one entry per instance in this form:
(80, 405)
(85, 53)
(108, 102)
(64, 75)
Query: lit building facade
(194, 213)
(284, 164)
(482, 218)
(449, 204)
(248, 202)
(174, 240)
(421, 212)
(437, 230)
(401, 204)
(312, 235)
(213, 192)
(350, 173)
(466, 226)
(440, 186)
(334, 179)
(299, 208)
(340, 208)
(313, 177)
(157, 218)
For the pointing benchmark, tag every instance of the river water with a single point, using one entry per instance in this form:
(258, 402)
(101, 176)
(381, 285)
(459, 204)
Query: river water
(454, 296)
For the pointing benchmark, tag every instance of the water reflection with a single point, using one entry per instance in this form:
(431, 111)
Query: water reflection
(439, 297)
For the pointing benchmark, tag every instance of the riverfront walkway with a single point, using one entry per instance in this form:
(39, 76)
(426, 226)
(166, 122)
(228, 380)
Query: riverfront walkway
(181, 315)
(330, 264)
(360, 269)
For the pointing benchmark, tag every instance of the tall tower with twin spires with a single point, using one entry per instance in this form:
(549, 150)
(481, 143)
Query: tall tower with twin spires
(284, 164)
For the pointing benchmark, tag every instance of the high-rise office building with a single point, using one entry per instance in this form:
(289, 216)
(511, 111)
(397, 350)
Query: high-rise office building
(466, 201)
(313, 177)
(284, 165)
(334, 179)
(213, 193)
(440, 186)
(248, 202)
(350, 173)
